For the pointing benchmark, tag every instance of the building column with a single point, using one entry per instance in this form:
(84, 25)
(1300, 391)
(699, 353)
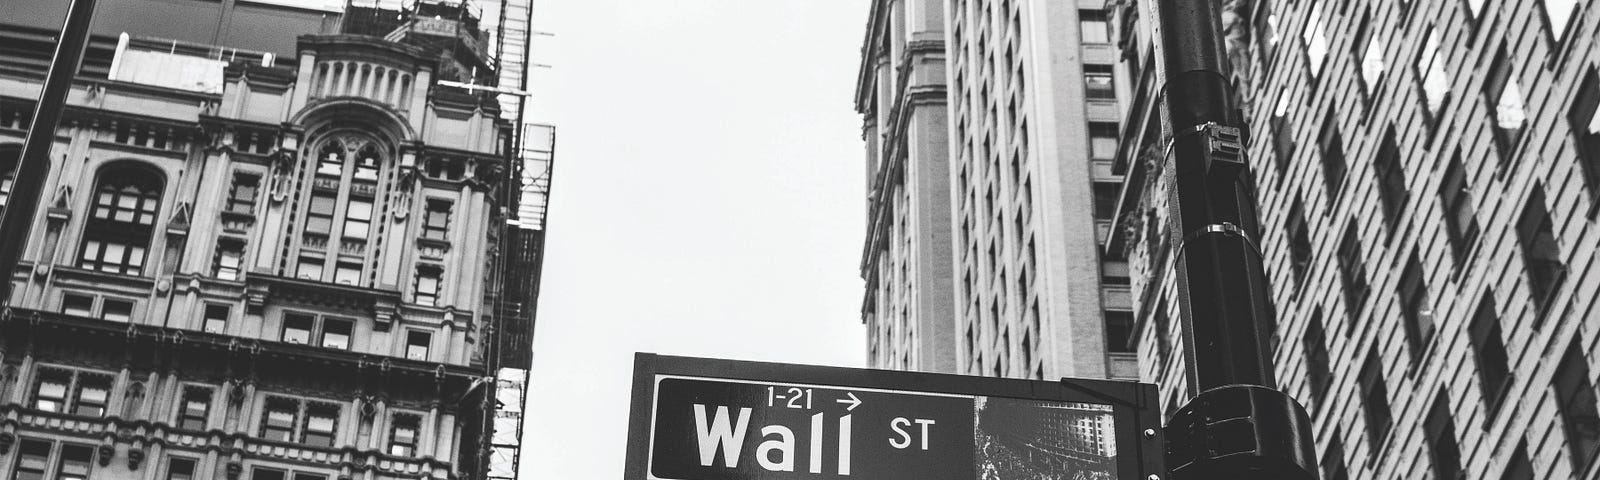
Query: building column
(118, 394)
(218, 416)
(380, 426)
(446, 435)
(24, 379)
(351, 420)
(429, 431)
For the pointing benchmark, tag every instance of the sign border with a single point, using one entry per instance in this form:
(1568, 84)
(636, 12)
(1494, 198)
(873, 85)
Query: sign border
(1135, 407)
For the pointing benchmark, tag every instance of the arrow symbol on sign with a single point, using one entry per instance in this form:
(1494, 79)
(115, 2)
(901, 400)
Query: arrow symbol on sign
(853, 402)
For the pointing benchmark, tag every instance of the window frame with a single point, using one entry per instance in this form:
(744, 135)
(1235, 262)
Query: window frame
(1375, 406)
(411, 344)
(187, 418)
(1416, 308)
(1456, 205)
(1487, 340)
(1501, 80)
(1543, 244)
(1574, 367)
(1439, 435)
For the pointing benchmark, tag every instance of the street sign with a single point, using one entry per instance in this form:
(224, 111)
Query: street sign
(704, 419)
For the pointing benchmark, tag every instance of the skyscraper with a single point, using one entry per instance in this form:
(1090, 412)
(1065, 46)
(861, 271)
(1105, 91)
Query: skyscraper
(990, 127)
(1428, 180)
(272, 245)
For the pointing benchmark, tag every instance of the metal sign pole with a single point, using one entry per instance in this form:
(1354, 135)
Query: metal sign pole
(34, 160)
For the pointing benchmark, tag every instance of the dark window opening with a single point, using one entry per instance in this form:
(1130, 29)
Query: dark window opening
(1333, 161)
(297, 328)
(1317, 365)
(180, 469)
(1540, 250)
(1460, 217)
(1584, 120)
(1375, 401)
(1119, 332)
(121, 221)
(1352, 272)
(1575, 398)
(216, 319)
(75, 462)
(1441, 439)
(1391, 180)
(417, 344)
(196, 406)
(403, 437)
(1416, 308)
(336, 334)
(1299, 242)
(79, 305)
(1333, 467)
(1489, 349)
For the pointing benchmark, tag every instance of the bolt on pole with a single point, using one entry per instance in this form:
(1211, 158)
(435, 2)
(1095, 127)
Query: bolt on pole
(34, 161)
(1239, 426)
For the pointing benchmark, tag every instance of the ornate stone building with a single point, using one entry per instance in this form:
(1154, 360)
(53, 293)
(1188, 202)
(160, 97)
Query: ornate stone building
(265, 265)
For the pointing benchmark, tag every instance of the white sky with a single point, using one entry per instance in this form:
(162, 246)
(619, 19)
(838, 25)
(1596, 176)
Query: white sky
(707, 201)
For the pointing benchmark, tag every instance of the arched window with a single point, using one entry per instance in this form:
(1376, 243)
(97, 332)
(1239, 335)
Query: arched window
(340, 210)
(122, 218)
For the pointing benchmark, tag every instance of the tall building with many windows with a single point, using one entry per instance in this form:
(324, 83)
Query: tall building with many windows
(990, 128)
(273, 244)
(1428, 175)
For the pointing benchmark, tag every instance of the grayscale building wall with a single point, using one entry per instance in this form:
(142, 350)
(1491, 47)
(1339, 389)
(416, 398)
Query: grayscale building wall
(261, 262)
(1428, 175)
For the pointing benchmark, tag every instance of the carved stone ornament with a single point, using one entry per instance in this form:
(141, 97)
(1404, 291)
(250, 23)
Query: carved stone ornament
(106, 451)
(7, 440)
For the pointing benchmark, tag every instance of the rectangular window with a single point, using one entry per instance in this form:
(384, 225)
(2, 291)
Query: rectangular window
(1416, 308)
(417, 344)
(1282, 133)
(1430, 68)
(1098, 82)
(1316, 41)
(366, 168)
(436, 221)
(319, 214)
(216, 320)
(1102, 140)
(347, 273)
(320, 421)
(1441, 439)
(112, 257)
(1317, 370)
(1540, 251)
(1504, 96)
(1352, 272)
(297, 328)
(427, 287)
(116, 310)
(1370, 50)
(1584, 120)
(33, 458)
(1489, 349)
(1093, 26)
(1163, 326)
(1333, 162)
(196, 406)
(230, 260)
(403, 437)
(94, 391)
(309, 476)
(1518, 468)
(78, 305)
(1576, 399)
(75, 462)
(1460, 217)
(1391, 179)
(1299, 242)
(1333, 467)
(1375, 401)
(357, 219)
(1119, 332)
(180, 469)
(336, 334)
(279, 420)
(266, 474)
(1105, 199)
(242, 196)
(309, 268)
(331, 163)
(50, 394)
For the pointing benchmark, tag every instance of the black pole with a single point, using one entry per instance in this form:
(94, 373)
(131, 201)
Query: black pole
(34, 160)
(1240, 426)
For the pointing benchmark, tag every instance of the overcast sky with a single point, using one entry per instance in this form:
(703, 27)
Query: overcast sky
(708, 201)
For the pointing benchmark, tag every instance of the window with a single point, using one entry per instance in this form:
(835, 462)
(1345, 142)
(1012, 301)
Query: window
(319, 214)
(33, 458)
(1430, 68)
(1352, 272)
(347, 273)
(78, 305)
(1504, 97)
(357, 219)
(1460, 218)
(1283, 132)
(196, 405)
(417, 344)
(1316, 42)
(1105, 199)
(1163, 327)
(1540, 252)
(309, 268)
(1441, 439)
(216, 319)
(436, 221)
(242, 196)
(93, 393)
(1391, 179)
(1416, 309)
(330, 162)
(403, 436)
(8, 165)
(1119, 332)
(297, 328)
(230, 260)
(427, 287)
(1584, 120)
(1299, 242)
(279, 420)
(75, 462)
(1370, 51)
(122, 219)
(1098, 83)
(336, 334)
(117, 310)
(266, 474)
(1518, 468)
(1576, 399)
(1333, 162)
(1557, 14)
(180, 469)
(51, 393)
(1316, 347)
(367, 166)
(1102, 140)
(1489, 349)
(1375, 401)
(1093, 26)
(1333, 467)
(320, 421)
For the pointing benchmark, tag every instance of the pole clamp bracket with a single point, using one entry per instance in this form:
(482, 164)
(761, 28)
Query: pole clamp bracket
(1224, 228)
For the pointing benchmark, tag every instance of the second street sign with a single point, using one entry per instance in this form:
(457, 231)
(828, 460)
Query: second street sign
(698, 419)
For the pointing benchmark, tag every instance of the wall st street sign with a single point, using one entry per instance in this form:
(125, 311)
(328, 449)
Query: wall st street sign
(703, 419)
